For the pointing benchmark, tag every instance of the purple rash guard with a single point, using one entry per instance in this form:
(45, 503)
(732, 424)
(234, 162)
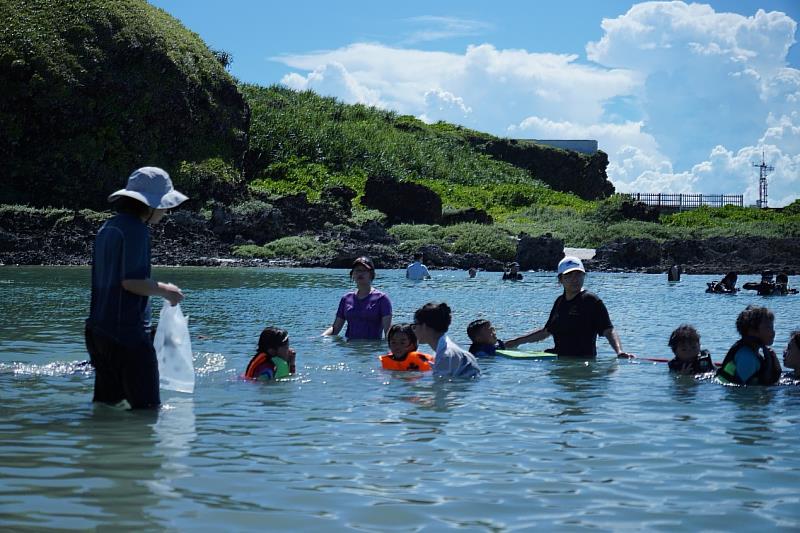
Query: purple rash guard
(364, 316)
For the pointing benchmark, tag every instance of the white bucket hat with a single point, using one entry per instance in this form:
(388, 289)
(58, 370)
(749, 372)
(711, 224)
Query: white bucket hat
(152, 187)
(570, 263)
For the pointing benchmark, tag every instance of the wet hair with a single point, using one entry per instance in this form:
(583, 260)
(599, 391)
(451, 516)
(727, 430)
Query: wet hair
(783, 277)
(731, 275)
(409, 332)
(767, 274)
(272, 337)
(366, 262)
(418, 255)
(435, 316)
(474, 326)
(751, 318)
(130, 206)
(795, 337)
(683, 333)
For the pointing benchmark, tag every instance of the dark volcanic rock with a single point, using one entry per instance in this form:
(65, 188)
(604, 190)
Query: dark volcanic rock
(471, 214)
(745, 255)
(259, 224)
(539, 253)
(628, 254)
(402, 202)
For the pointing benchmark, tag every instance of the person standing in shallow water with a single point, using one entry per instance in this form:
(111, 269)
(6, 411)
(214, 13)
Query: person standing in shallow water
(576, 319)
(118, 331)
(367, 311)
(416, 271)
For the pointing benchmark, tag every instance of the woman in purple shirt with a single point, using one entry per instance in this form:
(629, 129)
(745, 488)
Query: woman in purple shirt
(367, 311)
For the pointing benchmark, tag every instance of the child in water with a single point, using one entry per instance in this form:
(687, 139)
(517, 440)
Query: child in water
(689, 358)
(403, 351)
(274, 360)
(751, 361)
(791, 355)
(431, 322)
(484, 338)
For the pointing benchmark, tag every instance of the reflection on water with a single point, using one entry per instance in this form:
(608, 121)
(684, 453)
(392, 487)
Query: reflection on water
(554, 445)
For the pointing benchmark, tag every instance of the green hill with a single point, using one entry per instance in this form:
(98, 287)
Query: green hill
(91, 89)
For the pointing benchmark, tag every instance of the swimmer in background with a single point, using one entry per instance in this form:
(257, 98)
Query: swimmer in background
(274, 359)
(416, 271)
(513, 272)
(674, 273)
(484, 338)
(472, 272)
(782, 285)
(751, 361)
(727, 285)
(689, 358)
(403, 354)
(765, 287)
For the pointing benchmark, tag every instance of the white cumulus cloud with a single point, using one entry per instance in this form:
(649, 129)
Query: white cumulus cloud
(680, 96)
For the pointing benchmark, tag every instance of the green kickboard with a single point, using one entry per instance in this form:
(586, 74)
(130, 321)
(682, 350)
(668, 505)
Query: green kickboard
(514, 354)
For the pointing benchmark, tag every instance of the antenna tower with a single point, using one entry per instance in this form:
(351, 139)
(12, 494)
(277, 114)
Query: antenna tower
(763, 169)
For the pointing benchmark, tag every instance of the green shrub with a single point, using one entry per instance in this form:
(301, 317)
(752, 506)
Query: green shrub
(478, 238)
(250, 208)
(211, 179)
(362, 216)
(300, 248)
(411, 232)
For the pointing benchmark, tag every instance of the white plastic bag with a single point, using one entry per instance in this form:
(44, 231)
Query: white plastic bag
(174, 350)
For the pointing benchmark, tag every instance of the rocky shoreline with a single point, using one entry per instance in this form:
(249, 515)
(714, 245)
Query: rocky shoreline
(185, 238)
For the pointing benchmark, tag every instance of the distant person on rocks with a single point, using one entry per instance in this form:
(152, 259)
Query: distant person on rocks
(765, 287)
(727, 285)
(274, 358)
(367, 311)
(751, 361)
(576, 319)
(118, 330)
(431, 322)
(512, 273)
(484, 338)
(416, 271)
(689, 357)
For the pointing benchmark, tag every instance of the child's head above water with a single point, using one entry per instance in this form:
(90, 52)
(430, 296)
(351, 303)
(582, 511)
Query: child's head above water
(275, 342)
(757, 322)
(402, 340)
(685, 342)
(791, 356)
(481, 332)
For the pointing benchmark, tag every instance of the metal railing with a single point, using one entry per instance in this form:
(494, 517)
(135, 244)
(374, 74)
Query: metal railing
(682, 201)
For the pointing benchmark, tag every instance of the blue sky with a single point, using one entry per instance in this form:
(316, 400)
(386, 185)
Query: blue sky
(683, 97)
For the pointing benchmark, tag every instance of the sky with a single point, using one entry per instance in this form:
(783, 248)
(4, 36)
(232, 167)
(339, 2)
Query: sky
(684, 97)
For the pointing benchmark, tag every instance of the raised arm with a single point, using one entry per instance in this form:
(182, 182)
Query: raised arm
(533, 336)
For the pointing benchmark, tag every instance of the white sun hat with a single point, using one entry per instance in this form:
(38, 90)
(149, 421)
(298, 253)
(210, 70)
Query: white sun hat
(152, 187)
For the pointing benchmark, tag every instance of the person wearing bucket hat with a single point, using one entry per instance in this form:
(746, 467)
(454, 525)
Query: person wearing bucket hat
(577, 318)
(367, 311)
(118, 328)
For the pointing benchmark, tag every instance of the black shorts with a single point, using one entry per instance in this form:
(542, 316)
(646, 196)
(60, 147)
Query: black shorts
(124, 371)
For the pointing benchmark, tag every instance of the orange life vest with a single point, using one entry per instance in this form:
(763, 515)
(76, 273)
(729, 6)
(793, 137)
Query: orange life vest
(413, 361)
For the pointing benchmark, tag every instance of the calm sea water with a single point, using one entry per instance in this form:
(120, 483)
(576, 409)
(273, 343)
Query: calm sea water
(564, 445)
